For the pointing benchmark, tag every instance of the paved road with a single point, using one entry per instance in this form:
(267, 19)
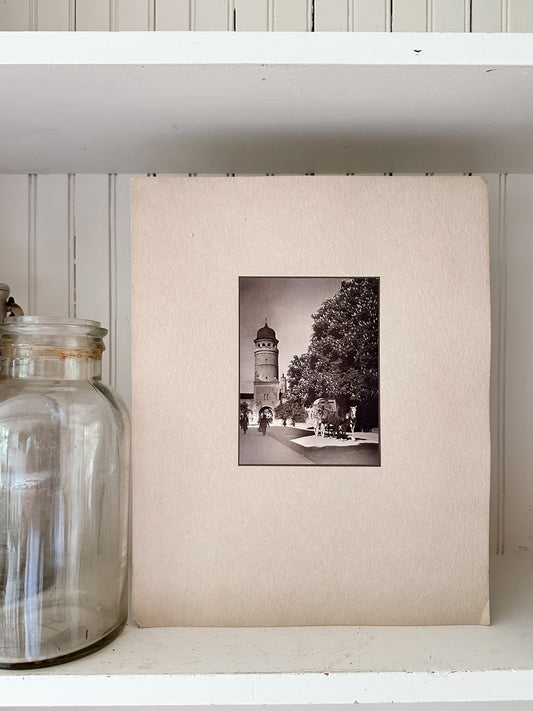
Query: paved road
(258, 449)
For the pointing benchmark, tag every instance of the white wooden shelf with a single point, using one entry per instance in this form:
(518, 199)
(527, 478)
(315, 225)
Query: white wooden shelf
(179, 102)
(316, 665)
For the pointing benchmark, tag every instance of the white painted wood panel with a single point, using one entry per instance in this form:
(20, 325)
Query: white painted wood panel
(488, 15)
(292, 16)
(518, 453)
(173, 14)
(14, 15)
(134, 15)
(92, 232)
(123, 279)
(497, 282)
(332, 15)
(449, 16)
(52, 246)
(371, 15)
(336, 15)
(94, 15)
(520, 16)
(251, 15)
(55, 15)
(409, 15)
(14, 236)
(211, 15)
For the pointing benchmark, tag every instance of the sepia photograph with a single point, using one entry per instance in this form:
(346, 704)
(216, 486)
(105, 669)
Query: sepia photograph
(309, 371)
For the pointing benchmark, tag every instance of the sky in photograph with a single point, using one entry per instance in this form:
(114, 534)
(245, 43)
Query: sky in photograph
(288, 303)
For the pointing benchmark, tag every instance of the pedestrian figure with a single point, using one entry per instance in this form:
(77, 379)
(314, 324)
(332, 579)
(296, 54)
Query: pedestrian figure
(244, 422)
(263, 424)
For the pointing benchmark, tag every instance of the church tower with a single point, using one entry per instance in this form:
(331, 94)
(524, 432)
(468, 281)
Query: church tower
(266, 380)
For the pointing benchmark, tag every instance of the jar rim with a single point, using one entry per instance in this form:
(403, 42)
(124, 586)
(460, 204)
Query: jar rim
(11, 323)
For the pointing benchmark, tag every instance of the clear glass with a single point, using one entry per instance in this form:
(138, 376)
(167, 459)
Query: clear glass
(64, 487)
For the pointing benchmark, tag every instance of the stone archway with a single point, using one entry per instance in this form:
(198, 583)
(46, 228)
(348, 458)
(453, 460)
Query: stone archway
(268, 412)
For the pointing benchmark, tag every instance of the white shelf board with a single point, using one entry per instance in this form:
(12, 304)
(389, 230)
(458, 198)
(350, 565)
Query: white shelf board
(219, 102)
(314, 665)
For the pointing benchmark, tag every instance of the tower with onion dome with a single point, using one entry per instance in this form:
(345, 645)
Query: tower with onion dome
(266, 374)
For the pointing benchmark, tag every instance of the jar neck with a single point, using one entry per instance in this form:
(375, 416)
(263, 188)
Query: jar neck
(33, 347)
(51, 363)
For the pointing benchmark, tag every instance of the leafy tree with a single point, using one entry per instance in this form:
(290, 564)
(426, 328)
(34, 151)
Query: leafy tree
(244, 409)
(342, 359)
(291, 409)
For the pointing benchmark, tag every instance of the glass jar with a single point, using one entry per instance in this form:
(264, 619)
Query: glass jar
(64, 490)
(4, 296)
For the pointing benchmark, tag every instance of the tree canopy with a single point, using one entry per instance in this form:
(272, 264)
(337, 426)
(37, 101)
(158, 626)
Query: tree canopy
(341, 361)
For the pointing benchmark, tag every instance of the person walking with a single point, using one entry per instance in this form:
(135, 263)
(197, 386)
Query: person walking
(263, 424)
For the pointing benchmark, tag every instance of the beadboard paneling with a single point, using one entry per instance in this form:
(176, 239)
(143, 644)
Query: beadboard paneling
(497, 195)
(332, 15)
(95, 14)
(489, 15)
(449, 16)
(14, 15)
(211, 15)
(293, 16)
(409, 15)
(52, 246)
(92, 253)
(251, 15)
(134, 15)
(14, 235)
(520, 16)
(518, 397)
(56, 15)
(173, 15)
(371, 15)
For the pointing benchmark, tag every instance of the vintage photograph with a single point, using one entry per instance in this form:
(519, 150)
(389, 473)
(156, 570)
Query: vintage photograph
(309, 371)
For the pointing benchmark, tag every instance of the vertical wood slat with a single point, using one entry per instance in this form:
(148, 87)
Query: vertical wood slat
(497, 396)
(409, 15)
(431, 15)
(71, 246)
(92, 252)
(294, 16)
(51, 252)
(173, 15)
(133, 15)
(93, 15)
(113, 285)
(518, 401)
(332, 15)
(370, 15)
(14, 15)
(520, 16)
(251, 15)
(14, 235)
(449, 16)
(32, 244)
(487, 15)
(211, 15)
(55, 15)
(123, 281)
